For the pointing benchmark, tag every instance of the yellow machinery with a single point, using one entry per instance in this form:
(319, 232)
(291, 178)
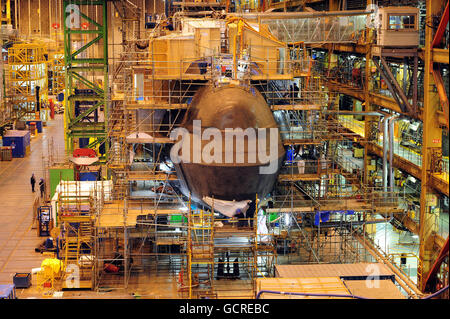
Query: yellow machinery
(48, 275)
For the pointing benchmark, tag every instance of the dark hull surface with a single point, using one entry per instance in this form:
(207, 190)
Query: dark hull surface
(229, 107)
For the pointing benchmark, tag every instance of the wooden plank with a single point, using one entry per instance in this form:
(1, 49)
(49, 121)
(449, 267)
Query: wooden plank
(296, 107)
(291, 210)
(149, 176)
(298, 177)
(378, 289)
(199, 4)
(333, 270)
(323, 285)
(155, 106)
(294, 141)
(113, 217)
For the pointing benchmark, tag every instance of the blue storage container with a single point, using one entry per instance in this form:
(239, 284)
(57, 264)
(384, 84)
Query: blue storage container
(22, 280)
(7, 292)
(88, 176)
(38, 125)
(19, 141)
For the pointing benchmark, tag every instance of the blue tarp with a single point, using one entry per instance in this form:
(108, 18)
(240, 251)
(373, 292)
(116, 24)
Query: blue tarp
(7, 291)
(290, 156)
(88, 176)
(324, 216)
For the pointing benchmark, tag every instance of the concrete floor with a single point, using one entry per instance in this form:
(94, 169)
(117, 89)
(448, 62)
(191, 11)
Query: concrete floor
(17, 237)
(396, 242)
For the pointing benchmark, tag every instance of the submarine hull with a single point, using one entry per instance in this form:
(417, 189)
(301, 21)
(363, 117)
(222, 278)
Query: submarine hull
(224, 109)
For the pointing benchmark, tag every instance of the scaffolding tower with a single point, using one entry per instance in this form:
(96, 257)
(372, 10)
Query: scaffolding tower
(27, 78)
(321, 210)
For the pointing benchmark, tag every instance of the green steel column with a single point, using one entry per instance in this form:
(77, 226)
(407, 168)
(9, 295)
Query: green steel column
(79, 72)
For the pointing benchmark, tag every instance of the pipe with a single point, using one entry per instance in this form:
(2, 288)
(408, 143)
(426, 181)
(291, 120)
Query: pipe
(300, 15)
(391, 153)
(391, 121)
(369, 113)
(388, 144)
(335, 295)
(38, 99)
(385, 149)
(389, 84)
(307, 294)
(437, 293)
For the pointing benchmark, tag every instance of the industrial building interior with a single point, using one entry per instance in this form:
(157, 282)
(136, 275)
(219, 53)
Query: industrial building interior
(101, 99)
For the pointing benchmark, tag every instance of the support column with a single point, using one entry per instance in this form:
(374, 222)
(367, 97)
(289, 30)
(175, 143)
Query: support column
(367, 119)
(333, 5)
(86, 61)
(432, 135)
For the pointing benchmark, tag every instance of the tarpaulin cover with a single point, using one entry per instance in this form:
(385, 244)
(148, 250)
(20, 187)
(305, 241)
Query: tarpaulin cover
(88, 176)
(324, 216)
(83, 160)
(140, 137)
(53, 263)
(6, 290)
(227, 208)
(262, 227)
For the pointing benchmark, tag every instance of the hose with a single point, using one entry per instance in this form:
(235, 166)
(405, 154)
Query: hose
(306, 294)
(437, 293)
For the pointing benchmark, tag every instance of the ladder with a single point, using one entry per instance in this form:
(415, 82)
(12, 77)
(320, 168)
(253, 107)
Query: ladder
(77, 247)
(72, 251)
(200, 253)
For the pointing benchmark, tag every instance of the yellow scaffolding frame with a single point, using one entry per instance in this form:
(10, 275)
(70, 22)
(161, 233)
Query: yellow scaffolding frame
(71, 212)
(27, 69)
(200, 244)
(7, 17)
(56, 65)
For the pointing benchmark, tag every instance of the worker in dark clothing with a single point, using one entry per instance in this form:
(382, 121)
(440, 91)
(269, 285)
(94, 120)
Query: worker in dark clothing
(251, 213)
(42, 187)
(33, 182)
(240, 217)
(236, 268)
(296, 89)
(291, 92)
(220, 269)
